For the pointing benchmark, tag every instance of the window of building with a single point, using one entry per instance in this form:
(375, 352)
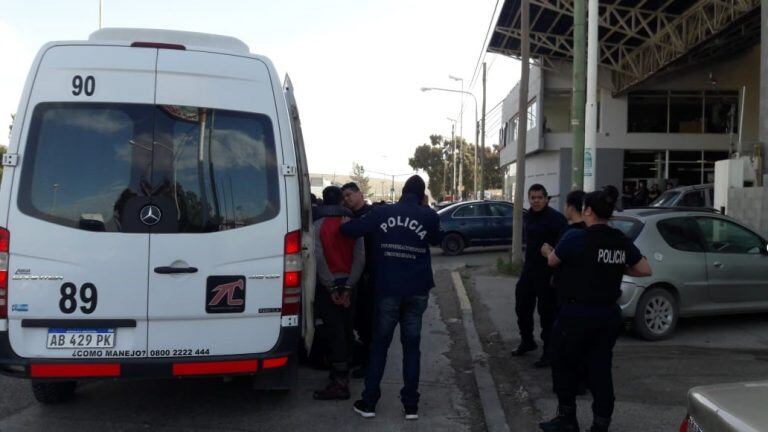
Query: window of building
(686, 111)
(648, 112)
(557, 111)
(710, 111)
(532, 114)
(721, 111)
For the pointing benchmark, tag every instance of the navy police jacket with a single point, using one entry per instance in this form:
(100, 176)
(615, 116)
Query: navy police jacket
(540, 227)
(400, 234)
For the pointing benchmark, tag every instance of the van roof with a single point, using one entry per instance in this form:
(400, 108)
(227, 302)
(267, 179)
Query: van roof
(188, 39)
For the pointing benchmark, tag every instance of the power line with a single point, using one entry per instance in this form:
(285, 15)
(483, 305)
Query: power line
(481, 57)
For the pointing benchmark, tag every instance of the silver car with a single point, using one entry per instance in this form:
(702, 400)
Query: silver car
(734, 407)
(703, 264)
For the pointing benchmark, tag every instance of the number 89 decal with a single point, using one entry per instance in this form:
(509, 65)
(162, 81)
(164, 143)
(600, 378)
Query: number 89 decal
(88, 296)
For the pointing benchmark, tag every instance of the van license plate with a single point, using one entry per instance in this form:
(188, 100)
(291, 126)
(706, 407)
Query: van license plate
(67, 338)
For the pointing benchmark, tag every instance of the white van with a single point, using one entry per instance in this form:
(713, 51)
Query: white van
(155, 200)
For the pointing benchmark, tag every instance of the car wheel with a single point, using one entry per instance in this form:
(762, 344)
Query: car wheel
(656, 315)
(53, 393)
(453, 244)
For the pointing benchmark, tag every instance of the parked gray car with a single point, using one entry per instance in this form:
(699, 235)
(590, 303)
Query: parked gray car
(736, 407)
(687, 196)
(703, 264)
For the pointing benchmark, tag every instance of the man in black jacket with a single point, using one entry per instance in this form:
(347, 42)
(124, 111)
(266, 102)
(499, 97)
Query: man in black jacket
(542, 224)
(364, 303)
(401, 235)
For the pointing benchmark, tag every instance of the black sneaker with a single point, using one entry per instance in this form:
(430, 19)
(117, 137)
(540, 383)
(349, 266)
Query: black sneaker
(565, 421)
(524, 347)
(365, 410)
(560, 424)
(411, 412)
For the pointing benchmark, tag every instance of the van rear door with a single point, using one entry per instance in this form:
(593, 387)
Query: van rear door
(78, 253)
(216, 257)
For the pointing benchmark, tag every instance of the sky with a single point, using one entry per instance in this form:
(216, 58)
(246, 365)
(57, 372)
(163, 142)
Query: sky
(357, 65)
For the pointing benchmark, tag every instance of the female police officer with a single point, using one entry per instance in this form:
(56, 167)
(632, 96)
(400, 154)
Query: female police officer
(592, 263)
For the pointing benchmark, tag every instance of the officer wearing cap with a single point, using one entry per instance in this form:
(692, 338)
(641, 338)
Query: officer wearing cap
(592, 263)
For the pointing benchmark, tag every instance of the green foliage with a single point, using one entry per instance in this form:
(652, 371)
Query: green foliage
(358, 176)
(508, 267)
(436, 159)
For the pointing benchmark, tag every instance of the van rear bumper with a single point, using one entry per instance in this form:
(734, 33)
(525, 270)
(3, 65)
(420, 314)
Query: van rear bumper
(277, 366)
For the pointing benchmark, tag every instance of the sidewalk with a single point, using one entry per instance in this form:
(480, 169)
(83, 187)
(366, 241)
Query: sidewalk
(637, 409)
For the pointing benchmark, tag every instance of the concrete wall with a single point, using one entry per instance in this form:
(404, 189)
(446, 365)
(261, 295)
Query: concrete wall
(610, 169)
(750, 206)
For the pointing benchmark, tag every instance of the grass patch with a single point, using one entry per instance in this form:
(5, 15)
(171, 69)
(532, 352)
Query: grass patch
(508, 268)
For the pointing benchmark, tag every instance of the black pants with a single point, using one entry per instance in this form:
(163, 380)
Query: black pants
(584, 335)
(363, 318)
(338, 330)
(535, 293)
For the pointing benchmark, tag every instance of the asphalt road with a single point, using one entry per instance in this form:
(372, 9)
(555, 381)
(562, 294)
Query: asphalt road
(448, 402)
(651, 378)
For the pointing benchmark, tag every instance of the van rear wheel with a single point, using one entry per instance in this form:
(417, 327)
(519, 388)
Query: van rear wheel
(53, 393)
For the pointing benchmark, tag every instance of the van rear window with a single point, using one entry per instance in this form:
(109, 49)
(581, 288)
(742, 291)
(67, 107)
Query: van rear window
(94, 166)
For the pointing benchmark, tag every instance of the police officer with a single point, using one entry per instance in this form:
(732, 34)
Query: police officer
(401, 234)
(592, 262)
(542, 224)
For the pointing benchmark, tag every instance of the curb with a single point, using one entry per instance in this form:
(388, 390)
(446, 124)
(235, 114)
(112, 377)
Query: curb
(495, 419)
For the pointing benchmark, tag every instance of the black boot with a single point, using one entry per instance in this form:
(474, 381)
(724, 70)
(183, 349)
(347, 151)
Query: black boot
(564, 421)
(600, 424)
(524, 347)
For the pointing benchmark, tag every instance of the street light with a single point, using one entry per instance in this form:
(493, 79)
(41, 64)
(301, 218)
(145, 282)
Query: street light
(454, 180)
(392, 189)
(477, 130)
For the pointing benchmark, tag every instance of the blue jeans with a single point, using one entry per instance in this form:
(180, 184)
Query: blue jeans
(391, 310)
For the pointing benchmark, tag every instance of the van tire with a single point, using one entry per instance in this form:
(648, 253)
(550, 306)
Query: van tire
(54, 393)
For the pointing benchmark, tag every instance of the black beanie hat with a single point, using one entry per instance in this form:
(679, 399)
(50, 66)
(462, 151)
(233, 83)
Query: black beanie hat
(415, 185)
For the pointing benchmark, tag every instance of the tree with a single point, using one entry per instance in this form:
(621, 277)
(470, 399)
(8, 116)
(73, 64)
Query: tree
(358, 176)
(432, 159)
(494, 177)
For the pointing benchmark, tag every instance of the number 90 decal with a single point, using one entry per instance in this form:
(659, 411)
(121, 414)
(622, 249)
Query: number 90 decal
(88, 296)
(82, 85)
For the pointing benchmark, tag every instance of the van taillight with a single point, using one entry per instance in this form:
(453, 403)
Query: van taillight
(292, 267)
(5, 238)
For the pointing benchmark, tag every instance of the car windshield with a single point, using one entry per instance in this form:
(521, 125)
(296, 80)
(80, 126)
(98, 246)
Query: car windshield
(629, 226)
(666, 199)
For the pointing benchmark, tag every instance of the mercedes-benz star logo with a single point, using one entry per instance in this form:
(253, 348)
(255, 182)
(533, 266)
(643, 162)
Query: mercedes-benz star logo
(150, 215)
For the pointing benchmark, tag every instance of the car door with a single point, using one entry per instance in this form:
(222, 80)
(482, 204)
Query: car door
(501, 223)
(78, 253)
(216, 258)
(685, 264)
(470, 222)
(737, 265)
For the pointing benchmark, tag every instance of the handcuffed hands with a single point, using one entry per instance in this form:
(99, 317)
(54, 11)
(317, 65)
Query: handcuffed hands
(341, 295)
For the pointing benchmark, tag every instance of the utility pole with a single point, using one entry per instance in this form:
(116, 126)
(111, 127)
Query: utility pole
(101, 9)
(477, 137)
(590, 145)
(577, 98)
(763, 128)
(454, 184)
(482, 138)
(522, 131)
